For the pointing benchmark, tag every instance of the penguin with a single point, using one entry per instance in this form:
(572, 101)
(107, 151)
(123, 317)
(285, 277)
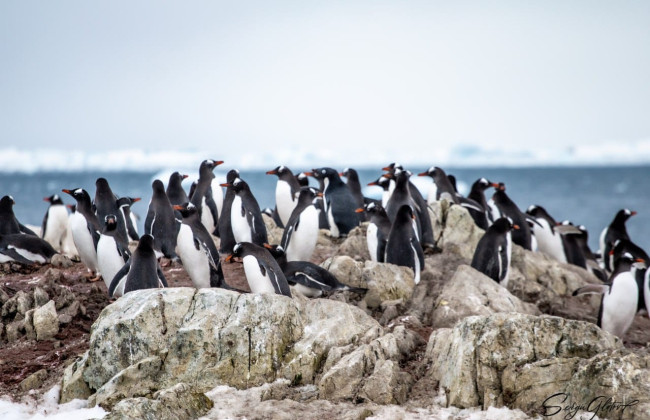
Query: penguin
(286, 191)
(508, 208)
(377, 231)
(245, 215)
(493, 251)
(225, 227)
(130, 221)
(263, 273)
(9, 224)
(301, 231)
(85, 230)
(197, 250)
(616, 230)
(323, 222)
(354, 185)
(549, 240)
(620, 300)
(112, 254)
(402, 246)
(160, 222)
(622, 246)
(308, 278)
(141, 271)
(477, 193)
(401, 196)
(55, 223)
(444, 187)
(303, 180)
(25, 249)
(202, 196)
(590, 257)
(384, 183)
(69, 248)
(106, 203)
(175, 191)
(338, 202)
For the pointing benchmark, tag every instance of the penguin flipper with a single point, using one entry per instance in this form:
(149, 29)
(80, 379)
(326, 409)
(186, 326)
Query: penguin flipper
(118, 277)
(418, 250)
(44, 225)
(25, 229)
(308, 281)
(591, 289)
(286, 236)
(12, 253)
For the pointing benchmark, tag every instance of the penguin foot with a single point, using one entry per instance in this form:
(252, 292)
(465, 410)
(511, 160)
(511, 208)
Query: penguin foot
(94, 279)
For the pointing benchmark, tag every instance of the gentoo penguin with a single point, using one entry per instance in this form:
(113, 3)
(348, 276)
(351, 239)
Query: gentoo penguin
(444, 187)
(85, 230)
(175, 191)
(352, 181)
(225, 227)
(285, 192)
(377, 231)
(106, 203)
(508, 208)
(160, 222)
(301, 231)
(549, 240)
(615, 231)
(338, 202)
(130, 221)
(494, 249)
(197, 250)
(55, 223)
(622, 246)
(69, 249)
(308, 278)
(323, 221)
(263, 273)
(202, 195)
(590, 257)
(112, 253)
(8, 222)
(477, 193)
(384, 183)
(620, 297)
(141, 271)
(245, 215)
(303, 180)
(25, 249)
(401, 196)
(403, 247)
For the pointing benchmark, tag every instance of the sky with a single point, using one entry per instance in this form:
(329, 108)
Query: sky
(341, 77)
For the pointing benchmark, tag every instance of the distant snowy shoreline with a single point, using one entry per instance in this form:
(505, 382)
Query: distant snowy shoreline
(13, 160)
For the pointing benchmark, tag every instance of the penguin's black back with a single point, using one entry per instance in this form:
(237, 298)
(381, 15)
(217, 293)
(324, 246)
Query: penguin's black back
(486, 255)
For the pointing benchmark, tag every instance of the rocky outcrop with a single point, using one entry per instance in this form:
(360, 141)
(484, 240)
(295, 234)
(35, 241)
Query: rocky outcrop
(355, 244)
(458, 232)
(470, 292)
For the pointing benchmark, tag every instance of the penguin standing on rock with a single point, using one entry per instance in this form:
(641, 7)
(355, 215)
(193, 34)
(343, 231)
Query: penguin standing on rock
(403, 247)
(55, 223)
(338, 202)
(354, 185)
(507, 208)
(8, 222)
(225, 225)
(160, 222)
(377, 231)
(615, 231)
(549, 239)
(494, 250)
(301, 231)
(197, 250)
(286, 191)
(85, 230)
(384, 183)
(202, 197)
(141, 271)
(263, 273)
(112, 254)
(245, 215)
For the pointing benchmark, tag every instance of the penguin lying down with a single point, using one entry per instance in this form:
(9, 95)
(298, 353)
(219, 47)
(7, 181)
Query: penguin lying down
(25, 249)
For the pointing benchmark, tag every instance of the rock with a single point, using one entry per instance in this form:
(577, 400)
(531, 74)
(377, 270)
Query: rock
(64, 298)
(346, 270)
(40, 297)
(24, 302)
(33, 381)
(355, 244)
(10, 306)
(46, 321)
(4, 296)
(152, 339)
(65, 319)
(282, 389)
(273, 232)
(14, 330)
(73, 385)
(60, 260)
(30, 331)
(177, 402)
(470, 292)
(460, 234)
(51, 277)
(468, 361)
(72, 310)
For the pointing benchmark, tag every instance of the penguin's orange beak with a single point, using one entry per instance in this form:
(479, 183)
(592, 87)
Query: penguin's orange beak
(67, 191)
(229, 258)
(273, 172)
(46, 198)
(387, 176)
(341, 174)
(495, 185)
(611, 252)
(515, 227)
(386, 168)
(372, 183)
(136, 199)
(319, 194)
(632, 213)
(184, 176)
(423, 174)
(177, 207)
(359, 210)
(267, 246)
(69, 206)
(308, 173)
(639, 260)
(218, 162)
(225, 185)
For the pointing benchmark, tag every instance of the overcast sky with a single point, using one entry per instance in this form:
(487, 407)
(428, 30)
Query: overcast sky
(251, 75)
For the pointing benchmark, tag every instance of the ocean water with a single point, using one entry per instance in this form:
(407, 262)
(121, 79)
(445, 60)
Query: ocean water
(590, 196)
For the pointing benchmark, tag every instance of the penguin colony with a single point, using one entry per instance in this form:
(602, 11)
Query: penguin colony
(181, 227)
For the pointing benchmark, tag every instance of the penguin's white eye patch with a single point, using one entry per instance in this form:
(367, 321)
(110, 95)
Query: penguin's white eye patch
(323, 171)
(371, 206)
(77, 191)
(281, 169)
(236, 248)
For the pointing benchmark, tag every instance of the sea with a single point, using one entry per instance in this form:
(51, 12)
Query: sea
(585, 195)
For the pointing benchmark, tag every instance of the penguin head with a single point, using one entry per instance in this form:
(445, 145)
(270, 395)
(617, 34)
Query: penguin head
(7, 201)
(429, 172)
(500, 186)
(146, 243)
(78, 194)
(237, 251)
(382, 182)
(186, 209)
(280, 171)
(503, 225)
(302, 179)
(127, 201)
(276, 250)
(177, 178)
(232, 175)
(110, 221)
(158, 187)
(53, 199)
(102, 184)
(325, 172)
(206, 167)
(392, 167)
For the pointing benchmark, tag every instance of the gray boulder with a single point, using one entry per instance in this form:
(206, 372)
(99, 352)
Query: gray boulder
(46, 321)
(355, 244)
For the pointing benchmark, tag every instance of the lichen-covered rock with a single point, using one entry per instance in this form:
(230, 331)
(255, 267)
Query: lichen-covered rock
(46, 321)
(460, 234)
(470, 292)
(40, 297)
(355, 244)
(468, 361)
(73, 385)
(273, 231)
(153, 339)
(346, 270)
(60, 260)
(177, 402)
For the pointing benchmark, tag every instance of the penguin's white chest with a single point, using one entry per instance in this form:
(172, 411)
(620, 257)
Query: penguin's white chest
(549, 242)
(56, 227)
(334, 229)
(241, 230)
(371, 239)
(258, 282)
(83, 241)
(303, 239)
(195, 261)
(217, 195)
(28, 254)
(284, 201)
(206, 216)
(504, 266)
(619, 305)
(108, 259)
